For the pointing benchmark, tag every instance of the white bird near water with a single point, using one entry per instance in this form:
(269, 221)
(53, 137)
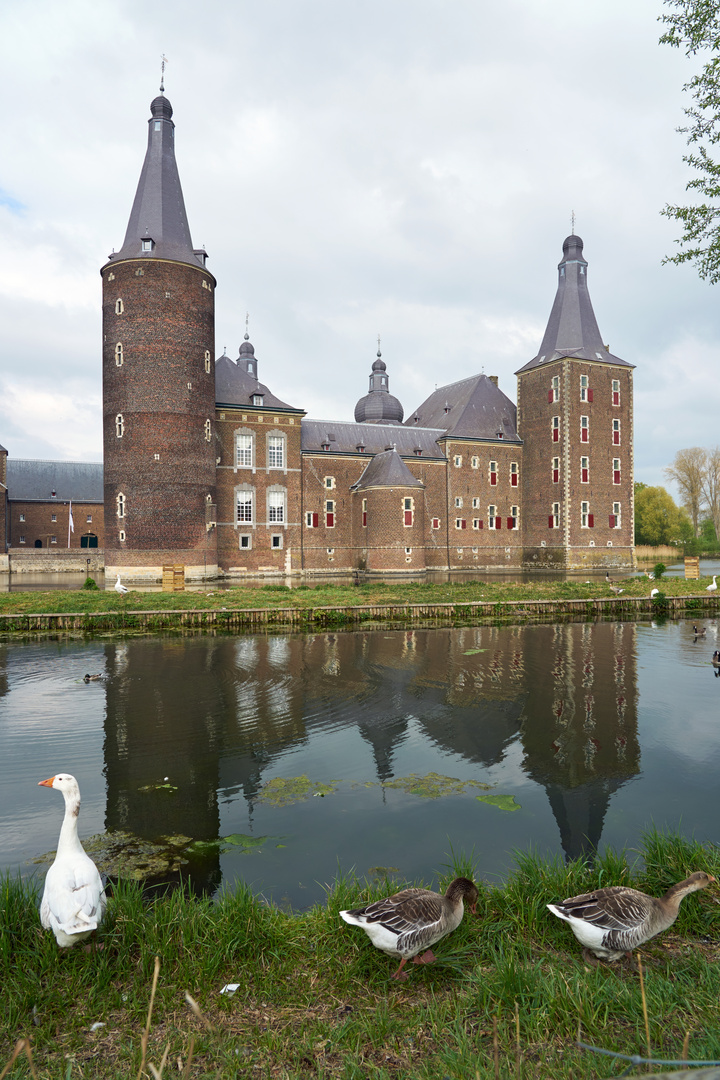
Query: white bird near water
(73, 902)
(119, 587)
(713, 587)
(654, 592)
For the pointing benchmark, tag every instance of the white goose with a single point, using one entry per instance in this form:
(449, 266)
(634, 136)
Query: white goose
(119, 587)
(611, 922)
(410, 921)
(713, 587)
(73, 902)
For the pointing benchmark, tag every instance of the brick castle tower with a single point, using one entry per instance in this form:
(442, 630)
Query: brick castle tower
(574, 415)
(159, 381)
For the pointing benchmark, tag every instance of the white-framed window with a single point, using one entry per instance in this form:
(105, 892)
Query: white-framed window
(208, 361)
(436, 523)
(616, 432)
(616, 470)
(408, 512)
(21, 538)
(554, 394)
(616, 516)
(121, 505)
(514, 474)
(514, 519)
(330, 551)
(329, 513)
(457, 461)
(276, 451)
(208, 430)
(584, 429)
(587, 520)
(89, 519)
(492, 473)
(276, 506)
(477, 523)
(119, 354)
(147, 245)
(22, 517)
(556, 470)
(584, 470)
(121, 535)
(555, 428)
(245, 541)
(244, 445)
(460, 523)
(476, 503)
(119, 307)
(257, 399)
(408, 551)
(53, 539)
(458, 502)
(364, 512)
(329, 482)
(492, 516)
(584, 384)
(276, 541)
(119, 426)
(244, 505)
(554, 518)
(53, 517)
(616, 391)
(474, 462)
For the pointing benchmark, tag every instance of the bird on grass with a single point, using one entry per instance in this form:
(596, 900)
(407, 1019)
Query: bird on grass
(713, 586)
(615, 589)
(73, 902)
(608, 578)
(611, 922)
(409, 922)
(654, 593)
(119, 587)
(649, 575)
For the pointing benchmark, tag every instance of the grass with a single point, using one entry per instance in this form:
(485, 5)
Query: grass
(508, 997)
(339, 595)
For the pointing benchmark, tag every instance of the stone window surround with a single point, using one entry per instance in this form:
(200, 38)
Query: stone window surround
(244, 431)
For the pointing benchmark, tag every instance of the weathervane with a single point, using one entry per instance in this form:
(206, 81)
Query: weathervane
(378, 352)
(247, 318)
(162, 73)
(573, 222)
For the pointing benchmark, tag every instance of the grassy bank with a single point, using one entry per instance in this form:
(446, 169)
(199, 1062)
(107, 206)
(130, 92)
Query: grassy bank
(509, 995)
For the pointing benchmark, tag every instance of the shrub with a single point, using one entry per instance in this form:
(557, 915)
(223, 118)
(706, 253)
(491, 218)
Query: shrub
(90, 583)
(659, 569)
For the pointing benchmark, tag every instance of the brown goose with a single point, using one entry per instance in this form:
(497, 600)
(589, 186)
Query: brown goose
(612, 922)
(412, 920)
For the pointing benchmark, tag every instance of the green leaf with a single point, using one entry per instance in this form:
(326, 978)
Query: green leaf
(503, 802)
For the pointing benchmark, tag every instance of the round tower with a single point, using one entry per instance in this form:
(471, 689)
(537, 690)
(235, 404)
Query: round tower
(159, 381)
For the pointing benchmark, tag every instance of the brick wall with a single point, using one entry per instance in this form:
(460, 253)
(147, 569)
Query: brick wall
(31, 524)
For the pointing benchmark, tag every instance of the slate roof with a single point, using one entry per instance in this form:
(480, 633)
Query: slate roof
(234, 385)
(158, 211)
(379, 406)
(387, 470)
(34, 481)
(572, 328)
(474, 408)
(344, 438)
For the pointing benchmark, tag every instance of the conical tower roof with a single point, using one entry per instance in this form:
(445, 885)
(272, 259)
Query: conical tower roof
(158, 226)
(572, 328)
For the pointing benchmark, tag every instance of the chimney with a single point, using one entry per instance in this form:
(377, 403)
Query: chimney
(493, 379)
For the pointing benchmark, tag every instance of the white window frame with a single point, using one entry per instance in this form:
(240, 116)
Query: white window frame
(457, 461)
(584, 387)
(458, 502)
(586, 467)
(515, 515)
(276, 456)
(615, 390)
(119, 426)
(616, 469)
(616, 428)
(492, 514)
(492, 468)
(555, 387)
(617, 514)
(584, 514)
(119, 358)
(555, 515)
(276, 506)
(247, 544)
(244, 454)
(241, 515)
(121, 505)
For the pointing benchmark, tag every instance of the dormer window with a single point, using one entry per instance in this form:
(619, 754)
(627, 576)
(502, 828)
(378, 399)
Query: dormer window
(325, 446)
(257, 399)
(360, 448)
(147, 244)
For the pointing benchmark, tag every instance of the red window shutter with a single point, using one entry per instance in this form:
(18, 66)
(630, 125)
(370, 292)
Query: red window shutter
(330, 520)
(616, 397)
(436, 523)
(584, 434)
(364, 517)
(463, 524)
(513, 479)
(480, 523)
(584, 477)
(408, 517)
(556, 434)
(556, 476)
(498, 522)
(612, 521)
(616, 476)
(550, 395)
(511, 523)
(551, 521)
(314, 521)
(591, 521)
(616, 438)
(493, 478)
(590, 396)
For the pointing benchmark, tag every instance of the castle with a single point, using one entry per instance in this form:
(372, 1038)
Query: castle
(206, 468)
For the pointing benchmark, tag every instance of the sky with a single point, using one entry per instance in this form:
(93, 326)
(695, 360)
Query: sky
(354, 168)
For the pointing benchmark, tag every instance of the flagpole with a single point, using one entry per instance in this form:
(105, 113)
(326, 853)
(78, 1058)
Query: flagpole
(70, 521)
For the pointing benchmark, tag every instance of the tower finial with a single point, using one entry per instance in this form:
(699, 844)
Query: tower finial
(572, 221)
(247, 317)
(162, 73)
(378, 352)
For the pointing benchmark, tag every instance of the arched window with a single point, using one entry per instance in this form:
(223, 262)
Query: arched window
(119, 354)
(121, 505)
(208, 431)
(119, 307)
(119, 425)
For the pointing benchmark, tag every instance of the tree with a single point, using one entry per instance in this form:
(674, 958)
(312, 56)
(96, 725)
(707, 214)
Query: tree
(711, 487)
(694, 25)
(688, 472)
(657, 519)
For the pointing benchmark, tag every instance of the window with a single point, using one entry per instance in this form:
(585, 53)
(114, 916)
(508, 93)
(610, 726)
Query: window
(584, 470)
(208, 431)
(457, 461)
(616, 470)
(53, 539)
(554, 391)
(22, 517)
(436, 523)
(512, 521)
(616, 516)
(244, 505)
(120, 503)
(119, 307)
(276, 506)
(477, 523)
(458, 502)
(22, 539)
(492, 517)
(554, 518)
(257, 399)
(330, 513)
(276, 451)
(476, 504)
(119, 354)
(119, 426)
(311, 519)
(53, 517)
(243, 450)
(460, 523)
(329, 482)
(616, 391)
(276, 541)
(616, 432)
(587, 520)
(208, 361)
(408, 511)
(556, 429)
(474, 462)
(492, 470)
(584, 429)
(364, 511)
(147, 245)
(408, 551)
(89, 519)
(513, 474)
(586, 393)
(556, 470)
(245, 541)
(121, 535)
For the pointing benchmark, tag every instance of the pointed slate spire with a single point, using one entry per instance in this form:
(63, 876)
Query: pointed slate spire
(158, 226)
(572, 328)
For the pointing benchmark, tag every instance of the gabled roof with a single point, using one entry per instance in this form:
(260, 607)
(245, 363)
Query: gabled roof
(158, 211)
(387, 470)
(344, 438)
(572, 328)
(474, 408)
(35, 481)
(234, 386)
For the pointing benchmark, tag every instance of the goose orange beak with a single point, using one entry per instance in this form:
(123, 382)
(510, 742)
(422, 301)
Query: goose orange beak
(46, 783)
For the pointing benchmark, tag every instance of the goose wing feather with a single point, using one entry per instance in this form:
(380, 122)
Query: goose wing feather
(74, 897)
(416, 916)
(616, 908)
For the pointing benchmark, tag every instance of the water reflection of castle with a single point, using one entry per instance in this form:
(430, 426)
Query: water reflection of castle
(215, 713)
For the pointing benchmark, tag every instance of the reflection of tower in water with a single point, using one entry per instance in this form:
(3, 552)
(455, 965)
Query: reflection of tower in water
(580, 729)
